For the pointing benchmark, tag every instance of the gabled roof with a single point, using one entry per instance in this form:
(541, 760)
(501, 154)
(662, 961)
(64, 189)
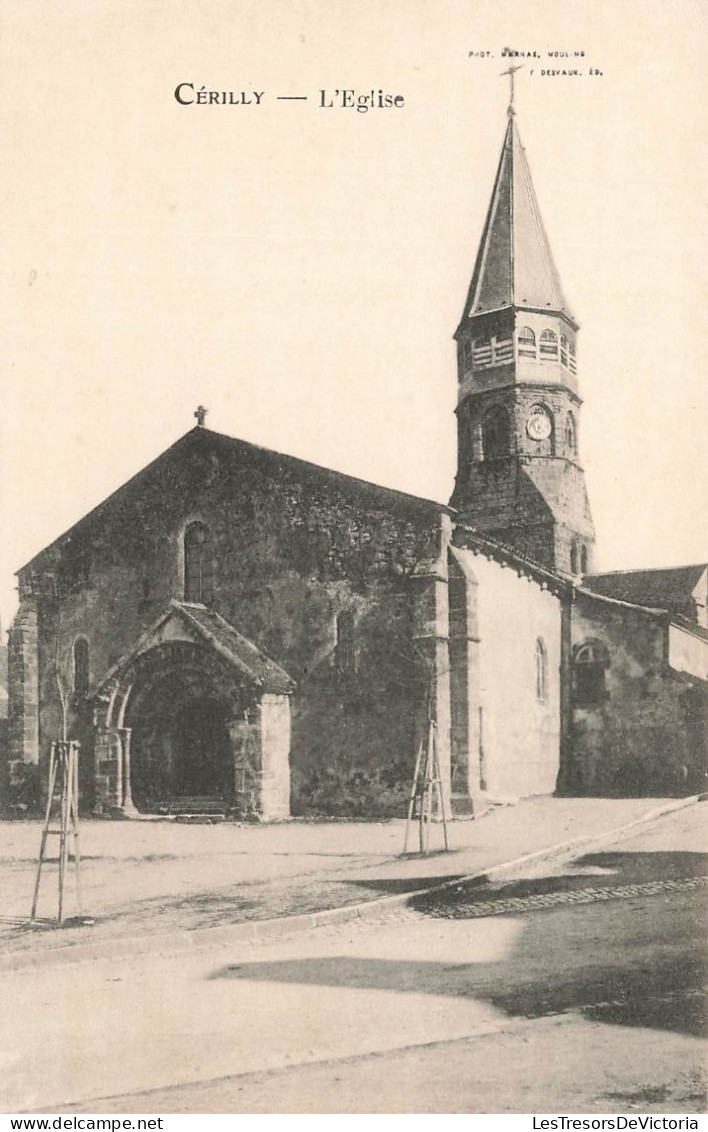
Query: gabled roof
(215, 631)
(514, 264)
(666, 588)
(233, 451)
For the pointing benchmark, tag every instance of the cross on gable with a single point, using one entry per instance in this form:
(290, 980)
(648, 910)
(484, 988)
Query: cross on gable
(200, 414)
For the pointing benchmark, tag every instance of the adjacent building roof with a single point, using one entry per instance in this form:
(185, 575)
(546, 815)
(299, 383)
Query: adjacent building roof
(671, 588)
(514, 265)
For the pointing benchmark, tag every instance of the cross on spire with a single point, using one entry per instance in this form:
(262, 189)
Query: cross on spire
(511, 72)
(200, 414)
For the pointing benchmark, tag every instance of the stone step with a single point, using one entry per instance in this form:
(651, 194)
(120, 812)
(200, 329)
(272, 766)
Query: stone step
(193, 805)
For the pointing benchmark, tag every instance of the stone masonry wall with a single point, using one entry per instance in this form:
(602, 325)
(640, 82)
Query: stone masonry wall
(294, 546)
(20, 772)
(649, 733)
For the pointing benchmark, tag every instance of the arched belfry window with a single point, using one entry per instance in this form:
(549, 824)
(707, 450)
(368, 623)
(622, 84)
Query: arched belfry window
(574, 558)
(591, 662)
(527, 343)
(496, 435)
(198, 563)
(549, 346)
(81, 666)
(571, 437)
(541, 671)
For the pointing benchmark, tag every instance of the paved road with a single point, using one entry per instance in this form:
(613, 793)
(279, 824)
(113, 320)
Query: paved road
(590, 1005)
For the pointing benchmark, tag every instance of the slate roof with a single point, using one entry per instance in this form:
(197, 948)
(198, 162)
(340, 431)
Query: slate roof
(515, 265)
(669, 588)
(466, 538)
(218, 634)
(236, 648)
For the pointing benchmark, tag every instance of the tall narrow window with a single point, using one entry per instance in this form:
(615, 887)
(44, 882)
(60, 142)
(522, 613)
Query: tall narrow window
(541, 671)
(549, 346)
(81, 666)
(198, 563)
(344, 649)
(583, 559)
(571, 442)
(574, 558)
(590, 664)
(495, 435)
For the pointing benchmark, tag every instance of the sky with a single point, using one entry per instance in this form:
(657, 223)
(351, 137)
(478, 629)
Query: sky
(300, 270)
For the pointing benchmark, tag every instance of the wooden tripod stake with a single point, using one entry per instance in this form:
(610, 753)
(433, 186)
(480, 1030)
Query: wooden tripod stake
(64, 767)
(427, 791)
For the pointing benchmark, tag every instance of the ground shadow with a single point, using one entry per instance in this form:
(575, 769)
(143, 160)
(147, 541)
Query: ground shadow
(592, 871)
(636, 961)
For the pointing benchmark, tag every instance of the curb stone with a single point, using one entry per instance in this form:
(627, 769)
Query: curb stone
(254, 931)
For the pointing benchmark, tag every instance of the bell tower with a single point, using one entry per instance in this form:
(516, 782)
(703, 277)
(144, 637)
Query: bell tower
(519, 478)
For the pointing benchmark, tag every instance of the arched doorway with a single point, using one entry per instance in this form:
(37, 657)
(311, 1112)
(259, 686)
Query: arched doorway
(201, 750)
(179, 712)
(195, 713)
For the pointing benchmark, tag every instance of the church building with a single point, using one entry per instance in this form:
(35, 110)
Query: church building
(238, 631)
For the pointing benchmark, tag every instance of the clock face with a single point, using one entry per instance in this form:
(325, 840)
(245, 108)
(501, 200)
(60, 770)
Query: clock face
(538, 426)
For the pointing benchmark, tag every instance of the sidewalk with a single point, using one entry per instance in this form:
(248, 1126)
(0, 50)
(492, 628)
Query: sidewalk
(154, 885)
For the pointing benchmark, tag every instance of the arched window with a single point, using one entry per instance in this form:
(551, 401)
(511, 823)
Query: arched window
(541, 671)
(495, 435)
(198, 564)
(583, 559)
(527, 342)
(344, 648)
(590, 664)
(574, 558)
(81, 666)
(571, 441)
(549, 346)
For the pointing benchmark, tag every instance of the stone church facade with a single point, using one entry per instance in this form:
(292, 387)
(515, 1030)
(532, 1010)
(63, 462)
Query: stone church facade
(241, 631)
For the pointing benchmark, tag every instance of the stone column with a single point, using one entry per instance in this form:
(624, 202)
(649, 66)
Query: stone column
(23, 679)
(261, 759)
(127, 805)
(243, 742)
(108, 766)
(430, 637)
(569, 776)
(464, 689)
(274, 777)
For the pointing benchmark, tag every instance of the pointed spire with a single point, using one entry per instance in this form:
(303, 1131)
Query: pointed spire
(514, 265)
